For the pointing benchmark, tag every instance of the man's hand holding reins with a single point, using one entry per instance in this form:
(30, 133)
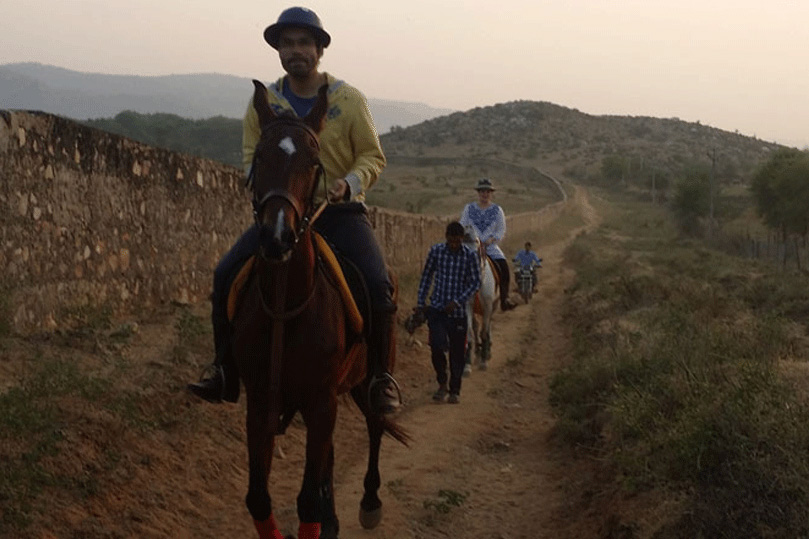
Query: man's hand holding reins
(339, 191)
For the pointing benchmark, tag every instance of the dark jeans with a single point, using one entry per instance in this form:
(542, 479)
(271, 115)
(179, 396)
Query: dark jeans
(505, 277)
(346, 227)
(227, 269)
(447, 334)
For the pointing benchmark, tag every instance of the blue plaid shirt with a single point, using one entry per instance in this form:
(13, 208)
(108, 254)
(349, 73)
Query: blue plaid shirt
(457, 278)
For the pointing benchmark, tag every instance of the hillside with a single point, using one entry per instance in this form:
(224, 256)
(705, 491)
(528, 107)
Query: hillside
(77, 95)
(568, 140)
(433, 164)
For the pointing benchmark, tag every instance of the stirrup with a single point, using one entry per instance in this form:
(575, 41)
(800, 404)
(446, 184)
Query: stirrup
(377, 379)
(213, 373)
(213, 370)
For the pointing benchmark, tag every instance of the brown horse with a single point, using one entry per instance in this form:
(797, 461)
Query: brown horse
(292, 340)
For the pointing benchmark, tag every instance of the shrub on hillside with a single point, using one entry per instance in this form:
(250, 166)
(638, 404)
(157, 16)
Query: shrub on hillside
(676, 380)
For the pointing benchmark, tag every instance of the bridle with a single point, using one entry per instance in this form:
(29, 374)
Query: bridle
(305, 214)
(306, 219)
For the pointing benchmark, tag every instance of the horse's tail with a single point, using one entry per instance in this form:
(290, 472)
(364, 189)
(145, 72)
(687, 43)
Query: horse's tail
(359, 395)
(395, 431)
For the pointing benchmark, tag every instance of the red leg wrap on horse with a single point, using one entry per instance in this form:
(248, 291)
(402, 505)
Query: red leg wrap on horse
(309, 530)
(268, 529)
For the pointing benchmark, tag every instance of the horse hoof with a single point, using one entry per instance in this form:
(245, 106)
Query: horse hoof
(370, 519)
(467, 370)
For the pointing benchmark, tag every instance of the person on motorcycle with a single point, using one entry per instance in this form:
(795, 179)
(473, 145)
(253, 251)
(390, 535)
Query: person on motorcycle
(528, 259)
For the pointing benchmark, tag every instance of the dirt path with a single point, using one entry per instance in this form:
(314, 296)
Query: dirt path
(486, 468)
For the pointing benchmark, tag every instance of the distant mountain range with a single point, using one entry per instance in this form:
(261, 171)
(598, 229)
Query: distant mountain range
(204, 113)
(81, 96)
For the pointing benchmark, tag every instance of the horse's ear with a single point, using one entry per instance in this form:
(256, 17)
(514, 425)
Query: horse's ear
(317, 115)
(261, 104)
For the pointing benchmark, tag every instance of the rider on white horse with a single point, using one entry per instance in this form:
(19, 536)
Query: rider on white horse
(489, 222)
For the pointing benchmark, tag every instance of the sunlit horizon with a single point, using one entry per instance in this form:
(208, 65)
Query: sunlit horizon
(739, 66)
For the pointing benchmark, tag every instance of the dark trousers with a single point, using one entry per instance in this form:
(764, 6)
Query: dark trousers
(505, 277)
(223, 275)
(447, 334)
(347, 228)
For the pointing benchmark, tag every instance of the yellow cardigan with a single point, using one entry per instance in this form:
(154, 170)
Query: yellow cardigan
(349, 142)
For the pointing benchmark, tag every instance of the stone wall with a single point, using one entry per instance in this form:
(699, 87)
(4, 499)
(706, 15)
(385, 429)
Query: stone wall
(92, 220)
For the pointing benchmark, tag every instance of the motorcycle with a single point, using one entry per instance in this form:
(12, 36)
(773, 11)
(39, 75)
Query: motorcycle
(526, 281)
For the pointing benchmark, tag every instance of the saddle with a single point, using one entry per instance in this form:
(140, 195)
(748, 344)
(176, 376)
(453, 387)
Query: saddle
(340, 271)
(343, 276)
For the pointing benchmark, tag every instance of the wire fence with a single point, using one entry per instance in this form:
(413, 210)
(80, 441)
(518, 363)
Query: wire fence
(790, 254)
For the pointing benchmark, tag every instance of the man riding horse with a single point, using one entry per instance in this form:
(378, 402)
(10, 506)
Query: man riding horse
(352, 160)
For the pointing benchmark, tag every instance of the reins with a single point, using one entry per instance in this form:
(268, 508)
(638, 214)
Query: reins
(276, 308)
(280, 285)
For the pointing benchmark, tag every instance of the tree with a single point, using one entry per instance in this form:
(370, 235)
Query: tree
(691, 201)
(771, 189)
(781, 192)
(612, 167)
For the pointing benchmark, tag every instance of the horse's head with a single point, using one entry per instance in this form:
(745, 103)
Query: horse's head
(471, 240)
(285, 173)
(470, 237)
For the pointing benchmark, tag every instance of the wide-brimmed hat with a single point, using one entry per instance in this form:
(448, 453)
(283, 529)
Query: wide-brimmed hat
(299, 17)
(484, 184)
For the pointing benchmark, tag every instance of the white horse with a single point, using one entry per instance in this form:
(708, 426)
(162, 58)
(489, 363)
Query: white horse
(480, 306)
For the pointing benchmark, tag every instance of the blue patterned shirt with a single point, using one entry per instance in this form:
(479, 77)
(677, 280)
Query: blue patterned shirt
(456, 275)
(488, 223)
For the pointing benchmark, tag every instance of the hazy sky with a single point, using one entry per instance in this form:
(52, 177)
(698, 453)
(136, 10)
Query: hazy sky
(733, 64)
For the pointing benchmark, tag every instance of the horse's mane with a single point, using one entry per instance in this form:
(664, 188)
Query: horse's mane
(470, 236)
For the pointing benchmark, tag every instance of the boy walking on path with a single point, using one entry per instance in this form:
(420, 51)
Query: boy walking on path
(453, 272)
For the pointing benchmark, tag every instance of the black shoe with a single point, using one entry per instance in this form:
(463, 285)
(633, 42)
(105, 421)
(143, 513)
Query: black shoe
(213, 388)
(440, 394)
(507, 306)
(385, 396)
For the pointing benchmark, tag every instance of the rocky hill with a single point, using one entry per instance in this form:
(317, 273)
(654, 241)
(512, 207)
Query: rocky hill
(564, 139)
(540, 135)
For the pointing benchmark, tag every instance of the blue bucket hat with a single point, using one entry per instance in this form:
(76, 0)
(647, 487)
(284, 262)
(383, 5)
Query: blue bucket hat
(298, 17)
